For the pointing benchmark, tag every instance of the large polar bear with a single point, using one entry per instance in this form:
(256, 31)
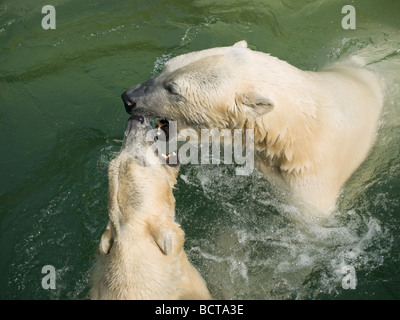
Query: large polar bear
(312, 129)
(141, 252)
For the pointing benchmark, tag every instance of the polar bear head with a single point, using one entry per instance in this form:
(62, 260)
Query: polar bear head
(213, 88)
(145, 145)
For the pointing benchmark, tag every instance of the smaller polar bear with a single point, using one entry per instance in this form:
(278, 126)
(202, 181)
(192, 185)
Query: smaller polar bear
(312, 130)
(141, 252)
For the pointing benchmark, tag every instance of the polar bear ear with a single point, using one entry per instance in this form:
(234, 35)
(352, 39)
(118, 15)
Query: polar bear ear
(169, 238)
(107, 240)
(258, 103)
(165, 242)
(240, 44)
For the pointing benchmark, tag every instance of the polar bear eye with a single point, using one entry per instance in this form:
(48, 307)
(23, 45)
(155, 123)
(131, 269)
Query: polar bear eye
(172, 88)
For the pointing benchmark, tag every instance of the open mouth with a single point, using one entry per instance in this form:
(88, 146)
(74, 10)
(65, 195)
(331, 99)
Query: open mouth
(162, 136)
(162, 126)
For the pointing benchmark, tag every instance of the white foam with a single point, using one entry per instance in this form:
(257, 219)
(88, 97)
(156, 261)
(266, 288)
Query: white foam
(262, 249)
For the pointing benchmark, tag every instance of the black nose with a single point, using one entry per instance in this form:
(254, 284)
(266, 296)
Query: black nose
(129, 104)
(137, 118)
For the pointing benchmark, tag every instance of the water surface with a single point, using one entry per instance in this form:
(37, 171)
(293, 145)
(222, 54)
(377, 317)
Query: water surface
(62, 120)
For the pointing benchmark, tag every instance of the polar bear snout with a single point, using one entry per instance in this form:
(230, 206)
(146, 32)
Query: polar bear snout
(135, 97)
(131, 96)
(129, 104)
(137, 125)
(141, 142)
(135, 133)
(137, 118)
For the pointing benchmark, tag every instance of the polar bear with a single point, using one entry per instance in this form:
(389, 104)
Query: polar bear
(141, 252)
(312, 130)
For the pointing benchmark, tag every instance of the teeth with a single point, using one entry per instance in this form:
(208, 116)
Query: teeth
(159, 124)
(167, 157)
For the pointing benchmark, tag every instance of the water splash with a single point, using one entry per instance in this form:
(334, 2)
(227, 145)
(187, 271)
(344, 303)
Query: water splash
(265, 249)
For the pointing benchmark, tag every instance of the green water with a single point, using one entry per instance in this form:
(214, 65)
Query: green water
(62, 120)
